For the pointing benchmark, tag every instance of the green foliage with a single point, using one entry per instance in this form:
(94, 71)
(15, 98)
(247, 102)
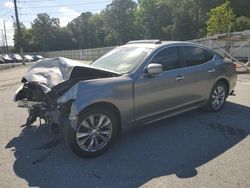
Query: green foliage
(81, 31)
(25, 39)
(241, 7)
(119, 18)
(185, 24)
(152, 16)
(44, 32)
(221, 19)
(241, 23)
(124, 20)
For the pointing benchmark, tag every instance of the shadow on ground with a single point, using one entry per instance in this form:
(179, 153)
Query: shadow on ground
(177, 145)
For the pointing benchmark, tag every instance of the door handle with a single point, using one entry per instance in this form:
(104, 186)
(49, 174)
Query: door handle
(179, 78)
(211, 70)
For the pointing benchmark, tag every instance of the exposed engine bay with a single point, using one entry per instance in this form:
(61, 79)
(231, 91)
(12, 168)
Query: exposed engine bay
(50, 79)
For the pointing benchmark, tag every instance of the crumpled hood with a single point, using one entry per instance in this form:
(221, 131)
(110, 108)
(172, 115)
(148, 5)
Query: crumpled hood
(50, 72)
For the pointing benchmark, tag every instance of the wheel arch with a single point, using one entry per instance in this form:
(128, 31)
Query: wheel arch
(107, 105)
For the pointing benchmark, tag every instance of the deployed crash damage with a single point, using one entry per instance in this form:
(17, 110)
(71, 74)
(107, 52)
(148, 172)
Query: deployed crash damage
(47, 81)
(140, 82)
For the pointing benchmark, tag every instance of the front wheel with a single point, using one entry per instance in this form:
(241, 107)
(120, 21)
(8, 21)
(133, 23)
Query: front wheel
(96, 131)
(217, 97)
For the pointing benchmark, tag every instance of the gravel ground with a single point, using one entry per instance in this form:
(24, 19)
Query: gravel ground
(195, 149)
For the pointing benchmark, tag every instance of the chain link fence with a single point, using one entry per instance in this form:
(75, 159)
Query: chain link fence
(85, 55)
(239, 50)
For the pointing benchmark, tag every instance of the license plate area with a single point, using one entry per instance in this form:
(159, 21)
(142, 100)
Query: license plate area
(29, 104)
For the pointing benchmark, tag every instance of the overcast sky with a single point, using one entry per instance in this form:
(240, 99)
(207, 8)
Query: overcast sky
(65, 10)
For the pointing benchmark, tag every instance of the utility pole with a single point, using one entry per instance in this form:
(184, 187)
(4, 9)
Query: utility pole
(3, 47)
(17, 19)
(18, 32)
(6, 41)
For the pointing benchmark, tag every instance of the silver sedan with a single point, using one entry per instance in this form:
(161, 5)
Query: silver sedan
(138, 83)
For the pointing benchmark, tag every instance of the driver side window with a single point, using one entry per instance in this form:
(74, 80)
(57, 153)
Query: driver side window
(169, 58)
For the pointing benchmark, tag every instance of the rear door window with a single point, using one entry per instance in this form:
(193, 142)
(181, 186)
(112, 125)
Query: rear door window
(195, 56)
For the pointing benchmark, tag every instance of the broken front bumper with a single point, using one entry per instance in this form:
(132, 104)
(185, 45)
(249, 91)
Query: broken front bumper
(30, 104)
(51, 111)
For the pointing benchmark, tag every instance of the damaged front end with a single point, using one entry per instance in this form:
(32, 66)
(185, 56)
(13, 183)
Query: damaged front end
(44, 87)
(42, 105)
(27, 96)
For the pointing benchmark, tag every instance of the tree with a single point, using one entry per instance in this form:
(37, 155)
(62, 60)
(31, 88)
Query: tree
(124, 20)
(152, 17)
(241, 23)
(25, 39)
(97, 27)
(63, 39)
(44, 31)
(241, 7)
(185, 20)
(86, 30)
(173, 19)
(119, 20)
(221, 19)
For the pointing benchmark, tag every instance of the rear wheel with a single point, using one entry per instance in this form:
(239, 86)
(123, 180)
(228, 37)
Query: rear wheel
(217, 97)
(96, 131)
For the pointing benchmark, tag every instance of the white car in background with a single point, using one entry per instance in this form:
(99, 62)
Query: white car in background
(28, 58)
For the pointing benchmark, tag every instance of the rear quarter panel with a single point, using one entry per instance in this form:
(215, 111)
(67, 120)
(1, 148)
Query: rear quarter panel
(226, 71)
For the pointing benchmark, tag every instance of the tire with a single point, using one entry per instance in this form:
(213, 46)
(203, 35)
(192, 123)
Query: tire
(88, 140)
(217, 97)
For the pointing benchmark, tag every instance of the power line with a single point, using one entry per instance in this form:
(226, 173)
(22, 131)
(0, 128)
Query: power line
(34, 1)
(28, 14)
(3, 15)
(72, 4)
(2, 9)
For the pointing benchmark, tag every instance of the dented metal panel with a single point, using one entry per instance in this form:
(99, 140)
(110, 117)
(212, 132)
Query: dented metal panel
(51, 72)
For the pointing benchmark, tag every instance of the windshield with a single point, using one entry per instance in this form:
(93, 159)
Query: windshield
(123, 59)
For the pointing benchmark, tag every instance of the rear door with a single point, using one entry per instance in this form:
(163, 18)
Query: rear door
(199, 72)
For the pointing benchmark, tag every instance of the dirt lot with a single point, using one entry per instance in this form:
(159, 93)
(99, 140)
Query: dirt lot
(195, 149)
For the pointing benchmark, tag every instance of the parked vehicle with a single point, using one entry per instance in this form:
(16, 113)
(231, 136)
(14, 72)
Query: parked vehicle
(28, 58)
(16, 58)
(7, 58)
(37, 57)
(1, 60)
(140, 82)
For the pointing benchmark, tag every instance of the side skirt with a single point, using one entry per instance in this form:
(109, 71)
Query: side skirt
(164, 115)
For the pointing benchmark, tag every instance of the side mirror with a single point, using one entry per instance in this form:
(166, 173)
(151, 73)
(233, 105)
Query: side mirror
(154, 68)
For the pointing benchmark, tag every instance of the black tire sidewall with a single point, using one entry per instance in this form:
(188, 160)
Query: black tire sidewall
(71, 133)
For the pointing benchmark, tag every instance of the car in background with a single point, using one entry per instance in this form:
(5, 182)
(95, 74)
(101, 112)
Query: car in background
(7, 58)
(16, 58)
(1, 60)
(28, 58)
(134, 84)
(37, 57)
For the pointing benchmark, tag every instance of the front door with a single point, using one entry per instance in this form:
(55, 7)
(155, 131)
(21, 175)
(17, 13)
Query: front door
(154, 94)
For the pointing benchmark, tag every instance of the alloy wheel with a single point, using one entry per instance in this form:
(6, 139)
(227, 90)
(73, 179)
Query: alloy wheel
(94, 132)
(218, 97)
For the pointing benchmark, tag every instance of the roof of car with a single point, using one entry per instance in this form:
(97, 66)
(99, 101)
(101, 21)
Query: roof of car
(155, 43)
